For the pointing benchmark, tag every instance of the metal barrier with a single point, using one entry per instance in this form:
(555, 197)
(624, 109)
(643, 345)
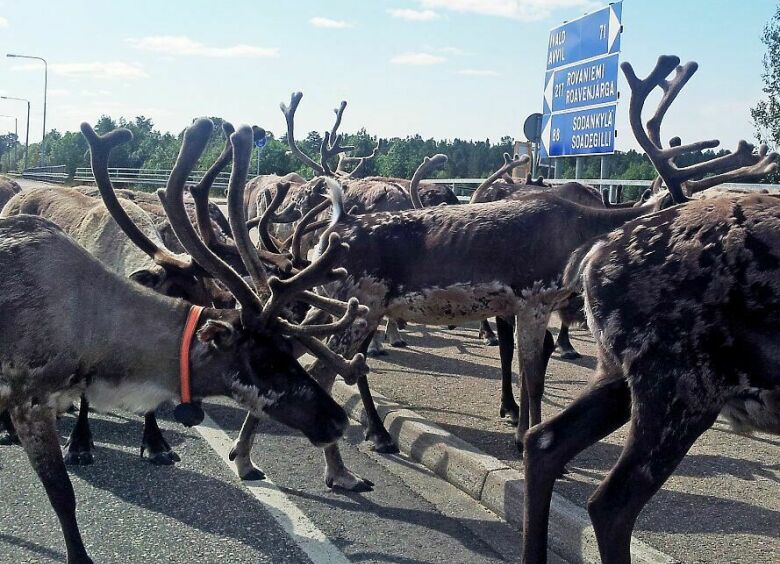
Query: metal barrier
(56, 174)
(146, 176)
(462, 186)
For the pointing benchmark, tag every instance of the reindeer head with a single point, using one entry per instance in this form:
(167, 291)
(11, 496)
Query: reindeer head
(254, 349)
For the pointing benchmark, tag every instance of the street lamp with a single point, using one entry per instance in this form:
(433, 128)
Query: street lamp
(45, 87)
(27, 134)
(16, 134)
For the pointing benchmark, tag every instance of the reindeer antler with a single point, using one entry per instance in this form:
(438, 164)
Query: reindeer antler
(742, 163)
(428, 164)
(100, 147)
(361, 161)
(172, 197)
(510, 163)
(289, 115)
(329, 148)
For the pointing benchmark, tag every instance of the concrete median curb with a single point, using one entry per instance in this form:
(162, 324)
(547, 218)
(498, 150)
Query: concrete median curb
(485, 478)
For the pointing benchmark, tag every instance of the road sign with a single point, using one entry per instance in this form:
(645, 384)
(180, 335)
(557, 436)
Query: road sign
(590, 131)
(533, 127)
(593, 35)
(260, 142)
(581, 85)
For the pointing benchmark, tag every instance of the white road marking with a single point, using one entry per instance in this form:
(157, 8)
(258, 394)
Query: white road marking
(294, 522)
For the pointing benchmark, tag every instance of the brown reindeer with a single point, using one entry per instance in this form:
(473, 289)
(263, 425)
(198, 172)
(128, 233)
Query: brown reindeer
(66, 332)
(8, 188)
(684, 306)
(122, 236)
(453, 264)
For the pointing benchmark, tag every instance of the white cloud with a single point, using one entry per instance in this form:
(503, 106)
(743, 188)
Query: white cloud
(3, 22)
(525, 10)
(414, 15)
(183, 45)
(478, 72)
(451, 50)
(58, 92)
(418, 59)
(98, 70)
(328, 23)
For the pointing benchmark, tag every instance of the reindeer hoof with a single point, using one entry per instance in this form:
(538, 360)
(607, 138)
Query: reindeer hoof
(253, 475)
(348, 482)
(400, 344)
(382, 442)
(513, 411)
(78, 458)
(491, 341)
(158, 451)
(373, 353)
(8, 439)
(570, 355)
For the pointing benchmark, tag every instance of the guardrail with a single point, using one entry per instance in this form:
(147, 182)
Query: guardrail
(462, 186)
(146, 176)
(56, 174)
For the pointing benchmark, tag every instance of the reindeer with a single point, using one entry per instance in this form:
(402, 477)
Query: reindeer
(58, 338)
(684, 306)
(8, 188)
(122, 236)
(151, 205)
(361, 195)
(454, 264)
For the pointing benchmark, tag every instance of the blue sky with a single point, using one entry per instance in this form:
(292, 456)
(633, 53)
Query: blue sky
(472, 69)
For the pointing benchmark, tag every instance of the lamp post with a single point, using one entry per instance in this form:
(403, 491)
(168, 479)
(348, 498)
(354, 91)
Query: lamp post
(45, 89)
(16, 135)
(27, 134)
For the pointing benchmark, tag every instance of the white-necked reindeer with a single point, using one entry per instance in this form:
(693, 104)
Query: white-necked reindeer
(71, 327)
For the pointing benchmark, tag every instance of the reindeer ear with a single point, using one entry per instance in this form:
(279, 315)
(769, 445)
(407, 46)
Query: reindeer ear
(218, 334)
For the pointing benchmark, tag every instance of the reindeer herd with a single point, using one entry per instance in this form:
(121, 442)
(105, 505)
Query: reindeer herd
(127, 301)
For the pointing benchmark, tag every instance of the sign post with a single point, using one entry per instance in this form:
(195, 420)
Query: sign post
(580, 85)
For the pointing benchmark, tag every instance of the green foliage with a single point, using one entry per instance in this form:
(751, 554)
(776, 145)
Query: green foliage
(398, 157)
(766, 114)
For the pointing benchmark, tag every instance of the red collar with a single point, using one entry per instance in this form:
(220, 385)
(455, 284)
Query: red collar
(184, 352)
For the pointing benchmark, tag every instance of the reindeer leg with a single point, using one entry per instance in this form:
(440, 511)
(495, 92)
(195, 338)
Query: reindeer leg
(38, 433)
(375, 427)
(78, 449)
(394, 335)
(159, 451)
(241, 453)
(337, 475)
(600, 409)
(663, 429)
(376, 348)
(506, 345)
(563, 343)
(487, 335)
(9, 437)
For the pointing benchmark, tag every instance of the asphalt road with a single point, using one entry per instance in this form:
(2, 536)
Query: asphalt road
(198, 510)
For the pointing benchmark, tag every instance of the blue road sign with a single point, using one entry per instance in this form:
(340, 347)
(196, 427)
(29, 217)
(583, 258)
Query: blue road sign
(593, 35)
(581, 85)
(260, 142)
(590, 131)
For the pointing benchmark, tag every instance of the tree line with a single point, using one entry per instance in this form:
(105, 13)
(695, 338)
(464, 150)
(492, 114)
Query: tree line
(397, 157)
